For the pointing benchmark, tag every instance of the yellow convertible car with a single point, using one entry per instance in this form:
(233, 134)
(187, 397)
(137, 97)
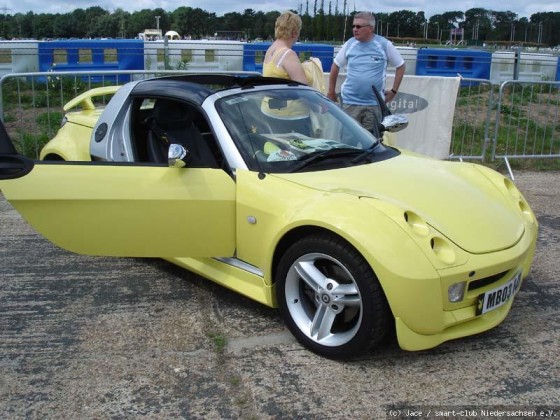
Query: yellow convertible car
(268, 188)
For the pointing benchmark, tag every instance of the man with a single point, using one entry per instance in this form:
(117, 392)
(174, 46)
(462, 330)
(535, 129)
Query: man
(366, 56)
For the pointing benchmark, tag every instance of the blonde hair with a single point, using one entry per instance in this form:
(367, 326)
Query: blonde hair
(286, 24)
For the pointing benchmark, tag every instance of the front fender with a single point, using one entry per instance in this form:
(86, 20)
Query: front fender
(270, 209)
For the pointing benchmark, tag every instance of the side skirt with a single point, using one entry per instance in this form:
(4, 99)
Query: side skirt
(232, 273)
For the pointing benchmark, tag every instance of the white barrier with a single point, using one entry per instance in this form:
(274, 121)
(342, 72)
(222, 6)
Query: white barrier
(18, 57)
(200, 55)
(222, 55)
(533, 67)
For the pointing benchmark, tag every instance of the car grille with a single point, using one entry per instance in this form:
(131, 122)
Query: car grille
(477, 284)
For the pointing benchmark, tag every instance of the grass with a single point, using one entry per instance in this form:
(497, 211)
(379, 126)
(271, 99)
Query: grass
(30, 143)
(528, 131)
(219, 340)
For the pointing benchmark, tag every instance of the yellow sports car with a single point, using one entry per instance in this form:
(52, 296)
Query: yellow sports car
(268, 188)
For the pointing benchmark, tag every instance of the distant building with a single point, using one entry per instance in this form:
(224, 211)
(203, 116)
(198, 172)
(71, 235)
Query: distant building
(150, 35)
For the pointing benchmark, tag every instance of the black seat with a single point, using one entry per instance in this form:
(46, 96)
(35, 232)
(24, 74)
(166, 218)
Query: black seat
(173, 123)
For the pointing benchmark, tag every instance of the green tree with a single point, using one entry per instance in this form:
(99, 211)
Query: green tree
(405, 23)
(504, 27)
(146, 19)
(77, 19)
(478, 23)
(546, 26)
(62, 26)
(42, 26)
(270, 22)
(92, 14)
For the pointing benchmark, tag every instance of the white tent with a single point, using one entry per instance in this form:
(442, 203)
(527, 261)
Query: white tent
(172, 35)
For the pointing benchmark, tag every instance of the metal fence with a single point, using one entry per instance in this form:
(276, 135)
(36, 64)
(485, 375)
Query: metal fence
(526, 124)
(31, 104)
(471, 134)
(512, 120)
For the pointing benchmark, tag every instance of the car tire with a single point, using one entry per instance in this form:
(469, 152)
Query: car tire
(330, 298)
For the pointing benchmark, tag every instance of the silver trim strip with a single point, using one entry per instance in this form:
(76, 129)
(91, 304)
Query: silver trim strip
(241, 265)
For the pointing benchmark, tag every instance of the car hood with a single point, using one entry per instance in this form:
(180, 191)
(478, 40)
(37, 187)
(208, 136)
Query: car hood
(454, 198)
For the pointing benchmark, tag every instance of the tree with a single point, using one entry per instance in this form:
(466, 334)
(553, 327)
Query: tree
(478, 23)
(270, 22)
(247, 22)
(42, 26)
(503, 25)
(453, 18)
(404, 23)
(381, 20)
(325, 25)
(146, 19)
(77, 19)
(546, 27)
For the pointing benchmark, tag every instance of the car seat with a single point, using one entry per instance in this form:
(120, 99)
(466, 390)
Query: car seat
(173, 123)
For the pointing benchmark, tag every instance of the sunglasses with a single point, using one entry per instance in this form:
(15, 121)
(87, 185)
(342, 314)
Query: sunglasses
(359, 26)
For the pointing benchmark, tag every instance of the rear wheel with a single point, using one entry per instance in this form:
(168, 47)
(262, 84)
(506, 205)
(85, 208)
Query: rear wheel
(330, 298)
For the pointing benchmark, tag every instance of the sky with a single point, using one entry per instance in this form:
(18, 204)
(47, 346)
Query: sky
(522, 8)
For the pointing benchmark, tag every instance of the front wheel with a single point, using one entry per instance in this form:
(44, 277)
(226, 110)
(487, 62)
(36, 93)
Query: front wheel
(330, 298)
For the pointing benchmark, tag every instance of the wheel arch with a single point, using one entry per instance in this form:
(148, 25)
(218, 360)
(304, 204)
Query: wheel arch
(53, 157)
(395, 271)
(300, 232)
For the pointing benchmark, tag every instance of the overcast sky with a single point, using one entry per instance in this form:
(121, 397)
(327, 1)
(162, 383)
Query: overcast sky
(523, 8)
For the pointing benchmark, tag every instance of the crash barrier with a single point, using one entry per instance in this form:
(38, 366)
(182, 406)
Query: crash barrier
(200, 55)
(480, 121)
(526, 66)
(469, 64)
(18, 56)
(91, 55)
(223, 55)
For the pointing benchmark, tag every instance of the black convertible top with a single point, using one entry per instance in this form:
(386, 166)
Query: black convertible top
(197, 87)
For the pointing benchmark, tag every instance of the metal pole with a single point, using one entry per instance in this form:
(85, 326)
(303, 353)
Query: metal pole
(516, 63)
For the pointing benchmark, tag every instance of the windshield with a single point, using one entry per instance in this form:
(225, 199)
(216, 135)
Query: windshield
(293, 129)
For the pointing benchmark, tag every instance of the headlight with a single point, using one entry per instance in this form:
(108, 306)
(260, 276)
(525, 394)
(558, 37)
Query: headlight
(456, 292)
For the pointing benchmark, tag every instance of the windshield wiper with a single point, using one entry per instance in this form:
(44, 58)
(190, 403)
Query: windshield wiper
(367, 153)
(325, 154)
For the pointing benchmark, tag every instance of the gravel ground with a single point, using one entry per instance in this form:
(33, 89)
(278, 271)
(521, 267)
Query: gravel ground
(89, 337)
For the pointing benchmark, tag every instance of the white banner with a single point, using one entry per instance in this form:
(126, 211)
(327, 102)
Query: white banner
(429, 104)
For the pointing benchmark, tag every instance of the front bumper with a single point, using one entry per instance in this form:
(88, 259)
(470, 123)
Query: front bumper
(456, 320)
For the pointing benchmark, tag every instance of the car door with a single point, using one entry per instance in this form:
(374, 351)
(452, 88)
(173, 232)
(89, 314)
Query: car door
(122, 209)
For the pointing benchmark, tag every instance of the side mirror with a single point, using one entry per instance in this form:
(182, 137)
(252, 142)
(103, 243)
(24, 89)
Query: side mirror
(177, 156)
(394, 123)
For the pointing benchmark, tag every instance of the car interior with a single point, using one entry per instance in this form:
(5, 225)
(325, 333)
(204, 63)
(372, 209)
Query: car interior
(157, 123)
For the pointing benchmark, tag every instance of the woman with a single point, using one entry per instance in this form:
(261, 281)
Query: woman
(280, 60)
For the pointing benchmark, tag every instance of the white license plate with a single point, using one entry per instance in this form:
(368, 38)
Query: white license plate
(499, 296)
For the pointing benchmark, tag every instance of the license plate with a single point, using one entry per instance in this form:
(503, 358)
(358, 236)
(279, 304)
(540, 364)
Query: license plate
(499, 296)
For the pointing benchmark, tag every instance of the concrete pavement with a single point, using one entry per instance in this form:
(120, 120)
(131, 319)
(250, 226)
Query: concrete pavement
(89, 337)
